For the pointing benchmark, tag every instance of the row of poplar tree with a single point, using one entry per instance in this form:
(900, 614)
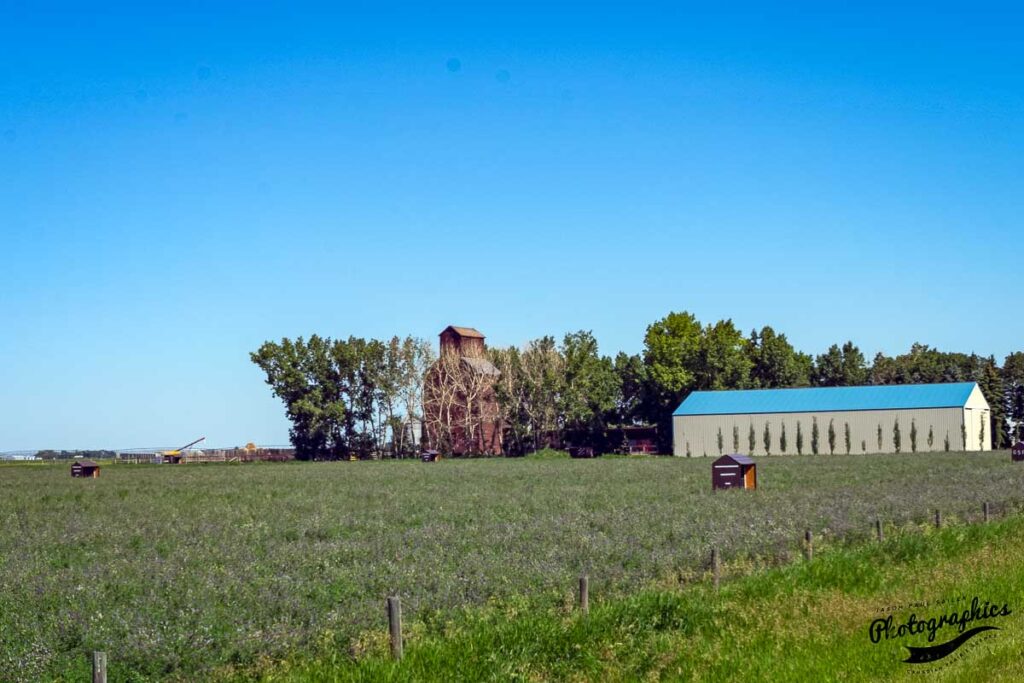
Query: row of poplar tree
(364, 397)
(816, 446)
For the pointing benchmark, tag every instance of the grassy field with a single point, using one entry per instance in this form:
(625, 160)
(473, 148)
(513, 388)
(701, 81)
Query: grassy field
(802, 622)
(210, 570)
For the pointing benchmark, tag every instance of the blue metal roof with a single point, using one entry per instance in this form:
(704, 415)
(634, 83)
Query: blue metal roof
(826, 399)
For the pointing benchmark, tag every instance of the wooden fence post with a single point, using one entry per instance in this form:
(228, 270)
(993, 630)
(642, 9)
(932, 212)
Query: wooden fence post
(395, 625)
(878, 530)
(714, 568)
(585, 594)
(99, 667)
(809, 540)
(938, 518)
(984, 511)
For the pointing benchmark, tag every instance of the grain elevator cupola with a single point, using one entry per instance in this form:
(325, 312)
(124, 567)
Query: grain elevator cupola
(462, 341)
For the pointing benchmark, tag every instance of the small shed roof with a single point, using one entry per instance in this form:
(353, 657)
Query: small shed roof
(464, 331)
(827, 399)
(481, 365)
(87, 463)
(736, 458)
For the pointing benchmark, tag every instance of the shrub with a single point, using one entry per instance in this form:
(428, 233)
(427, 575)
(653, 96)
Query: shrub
(721, 443)
(897, 440)
(814, 435)
(767, 439)
(879, 436)
(799, 439)
(846, 436)
(831, 437)
(735, 439)
(931, 437)
(751, 438)
(913, 435)
(782, 439)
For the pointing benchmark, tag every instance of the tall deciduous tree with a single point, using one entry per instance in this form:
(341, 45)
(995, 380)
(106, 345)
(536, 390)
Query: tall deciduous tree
(723, 360)
(415, 356)
(591, 388)
(346, 396)
(672, 349)
(1013, 387)
(840, 367)
(774, 361)
(301, 373)
(633, 401)
(513, 396)
(530, 393)
(993, 387)
(925, 365)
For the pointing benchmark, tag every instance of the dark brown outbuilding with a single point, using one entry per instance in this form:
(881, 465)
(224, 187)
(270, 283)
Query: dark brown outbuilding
(85, 468)
(734, 472)
(1017, 452)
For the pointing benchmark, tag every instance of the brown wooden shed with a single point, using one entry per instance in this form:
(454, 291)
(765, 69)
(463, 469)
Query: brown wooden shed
(1017, 452)
(85, 468)
(734, 472)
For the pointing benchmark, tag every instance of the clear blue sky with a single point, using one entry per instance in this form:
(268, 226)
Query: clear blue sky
(178, 185)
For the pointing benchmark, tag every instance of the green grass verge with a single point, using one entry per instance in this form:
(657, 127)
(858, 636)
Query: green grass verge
(806, 621)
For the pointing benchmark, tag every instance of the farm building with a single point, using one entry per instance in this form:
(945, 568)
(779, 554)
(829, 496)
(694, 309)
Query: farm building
(85, 468)
(1017, 452)
(733, 472)
(461, 412)
(868, 419)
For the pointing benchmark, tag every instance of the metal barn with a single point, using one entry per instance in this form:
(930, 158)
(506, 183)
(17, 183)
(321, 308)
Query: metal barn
(868, 419)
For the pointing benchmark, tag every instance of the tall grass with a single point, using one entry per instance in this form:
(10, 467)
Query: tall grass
(802, 622)
(178, 571)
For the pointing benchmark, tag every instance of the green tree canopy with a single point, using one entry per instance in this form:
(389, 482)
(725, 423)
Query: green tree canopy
(591, 390)
(840, 367)
(774, 361)
(345, 396)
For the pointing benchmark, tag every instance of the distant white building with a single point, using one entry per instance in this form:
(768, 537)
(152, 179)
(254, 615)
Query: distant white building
(952, 417)
(19, 455)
